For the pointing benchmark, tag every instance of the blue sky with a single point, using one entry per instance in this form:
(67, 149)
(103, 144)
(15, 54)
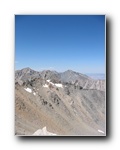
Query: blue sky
(60, 42)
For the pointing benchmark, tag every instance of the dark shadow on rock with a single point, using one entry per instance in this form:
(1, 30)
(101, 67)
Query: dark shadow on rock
(108, 105)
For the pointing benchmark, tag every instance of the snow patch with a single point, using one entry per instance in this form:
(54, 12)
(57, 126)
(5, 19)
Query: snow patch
(34, 93)
(59, 85)
(56, 84)
(100, 131)
(28, 90)
(45, 85)
(48, 80)
(51, 83)
(43, 131)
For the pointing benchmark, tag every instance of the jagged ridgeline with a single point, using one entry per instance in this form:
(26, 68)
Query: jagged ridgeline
(67, 103)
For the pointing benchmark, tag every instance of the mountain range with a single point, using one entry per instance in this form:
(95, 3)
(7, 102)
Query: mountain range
(66, 103)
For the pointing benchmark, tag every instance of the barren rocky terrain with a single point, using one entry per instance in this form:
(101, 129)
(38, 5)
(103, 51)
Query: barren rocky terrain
(52, 103)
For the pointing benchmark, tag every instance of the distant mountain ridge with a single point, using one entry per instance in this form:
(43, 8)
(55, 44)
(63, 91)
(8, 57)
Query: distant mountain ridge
(69, 76)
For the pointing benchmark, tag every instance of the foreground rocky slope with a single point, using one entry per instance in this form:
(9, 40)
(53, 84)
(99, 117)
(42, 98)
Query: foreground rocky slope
(66, 103)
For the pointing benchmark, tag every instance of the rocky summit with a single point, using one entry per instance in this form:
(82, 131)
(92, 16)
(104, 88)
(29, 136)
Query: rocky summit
(51, 103)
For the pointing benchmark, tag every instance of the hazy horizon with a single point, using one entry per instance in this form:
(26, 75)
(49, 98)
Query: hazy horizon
(60, 42)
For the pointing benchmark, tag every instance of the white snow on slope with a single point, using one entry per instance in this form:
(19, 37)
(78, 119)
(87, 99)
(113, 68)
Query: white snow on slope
(34, 93)
(56, 84)
(59, 85)
(45, 85)
(43, 131)
(48, 80)
(100, 131)
(28, 90)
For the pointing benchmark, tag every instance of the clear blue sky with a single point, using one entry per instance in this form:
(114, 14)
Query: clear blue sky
(60, 42)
